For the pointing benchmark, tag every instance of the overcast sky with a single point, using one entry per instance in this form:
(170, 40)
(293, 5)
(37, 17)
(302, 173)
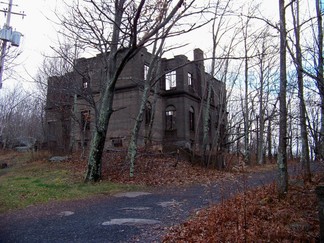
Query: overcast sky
(39, 32)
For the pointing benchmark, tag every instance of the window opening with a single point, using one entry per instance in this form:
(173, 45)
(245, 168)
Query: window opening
(189, 79)
(148, 113)
(85, 120)
(146, 69)
(170, 115)
(170, 80)
(191, 119)
(117, 142)
(85, 81)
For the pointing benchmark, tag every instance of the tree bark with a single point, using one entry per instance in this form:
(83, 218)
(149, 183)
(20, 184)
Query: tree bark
(246, 97)
(269, 139)
(132, 147)
(261, 111)
(99, 135)
(302, 107)
(282, 181)
(320, 79)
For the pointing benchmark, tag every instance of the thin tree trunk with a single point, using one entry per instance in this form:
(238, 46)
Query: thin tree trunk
(148, 139)
(132, 147)
(290, 133)
(269, 139)
(302, 108)
(150, 78)
(206, 122)
(320, 79)
(261, 114)
(246, 101)
(282, 181)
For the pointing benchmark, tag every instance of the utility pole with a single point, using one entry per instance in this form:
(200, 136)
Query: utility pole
(7, 35)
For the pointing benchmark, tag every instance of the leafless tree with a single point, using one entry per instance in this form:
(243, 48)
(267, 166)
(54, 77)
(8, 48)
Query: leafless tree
(21, 117)
(282, 148)
(118, 30)
(319, 74)
(305, 160)
(150, 82)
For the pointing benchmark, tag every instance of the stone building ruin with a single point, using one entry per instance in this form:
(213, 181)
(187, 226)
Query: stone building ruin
(179, 104)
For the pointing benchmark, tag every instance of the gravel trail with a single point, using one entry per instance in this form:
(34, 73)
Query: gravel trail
(129, 217)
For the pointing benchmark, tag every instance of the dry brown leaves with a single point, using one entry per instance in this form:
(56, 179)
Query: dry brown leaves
(255, 216)
(154, 169)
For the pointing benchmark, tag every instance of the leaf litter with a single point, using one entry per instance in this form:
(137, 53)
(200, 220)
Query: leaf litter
(257, 215)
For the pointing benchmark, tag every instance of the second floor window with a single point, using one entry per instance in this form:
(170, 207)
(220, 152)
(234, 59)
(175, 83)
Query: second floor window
(170, 80)
(146, 69)
(85, 81)
(189, 79)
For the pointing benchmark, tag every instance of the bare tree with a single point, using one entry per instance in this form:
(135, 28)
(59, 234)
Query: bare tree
(266, 66)
(21, 117)
(282, 149)
(149, 82)
(305, 160)
(214, 93)
(118, 30)
(319, 74)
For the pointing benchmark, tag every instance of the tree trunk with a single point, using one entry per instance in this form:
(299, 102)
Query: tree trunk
(269, 139)
(261, 114)
(151, 74)
(302, 107)
(320, 79)
(99, 136)
(148, 138)
(282, 181)
(246, 101)
(132, 147)
(206, 123)
(114, 69)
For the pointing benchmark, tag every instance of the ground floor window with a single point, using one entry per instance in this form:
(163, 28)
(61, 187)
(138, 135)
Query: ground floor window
(117, 142)
(148, 113)
(192, 119)
(85, 120)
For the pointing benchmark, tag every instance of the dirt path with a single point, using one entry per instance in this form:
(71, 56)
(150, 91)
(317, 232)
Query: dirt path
(132, 217)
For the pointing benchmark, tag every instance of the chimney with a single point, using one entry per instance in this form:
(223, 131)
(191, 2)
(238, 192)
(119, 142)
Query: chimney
(199, 57)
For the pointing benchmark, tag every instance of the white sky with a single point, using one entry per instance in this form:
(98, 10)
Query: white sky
(39, 32)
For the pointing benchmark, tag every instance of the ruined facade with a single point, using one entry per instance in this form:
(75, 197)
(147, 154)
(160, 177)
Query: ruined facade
(177, 104)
